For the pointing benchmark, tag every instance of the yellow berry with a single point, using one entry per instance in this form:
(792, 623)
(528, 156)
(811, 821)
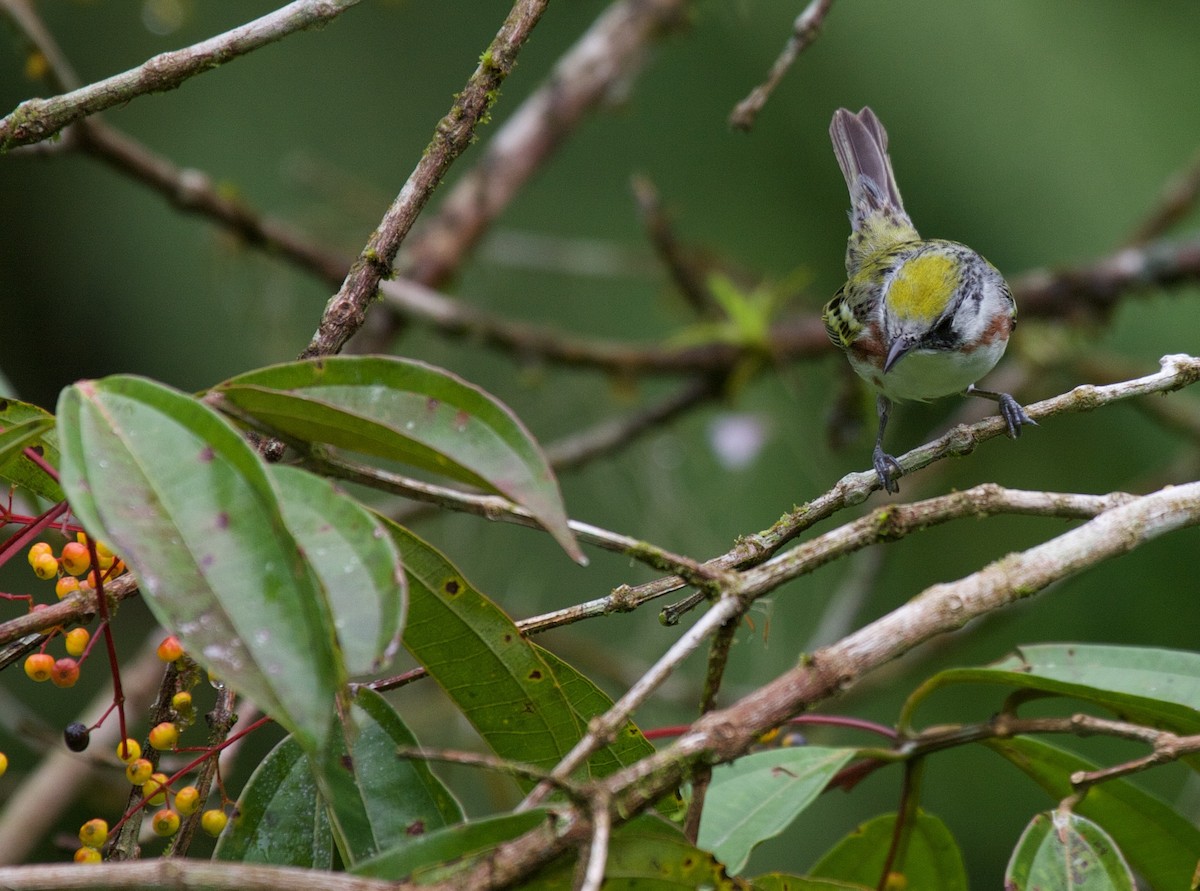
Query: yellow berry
(39, 666)
(213, 822)
(129, 750)
(165, 822)
(45, 567)
(170, 649)
(67, 584)
(77, 640)
(103, 553)
(164, 736)
(39, 550)
(93, 833)
(88, 855)
(75, 558)
(187, 800)
(3, 764)
(182, 702)
(65, 672)
(154, 789)
(137, 772)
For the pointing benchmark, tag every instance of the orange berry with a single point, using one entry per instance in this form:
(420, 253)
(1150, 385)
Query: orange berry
(213, 822)
(37, 551)
(67, 584)
(3, 764)
(170, 649)
(93, 833)
(77, 640)
(45, 567)
(129, 750)
(88, 855)
(75, 558)
(165, 822)
(187, 800)
(39, 666)
(138, 771)
(154, 789)
(164, 736)
(65, 672)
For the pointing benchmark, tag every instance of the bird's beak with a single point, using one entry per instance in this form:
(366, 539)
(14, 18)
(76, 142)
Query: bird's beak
(899, 349)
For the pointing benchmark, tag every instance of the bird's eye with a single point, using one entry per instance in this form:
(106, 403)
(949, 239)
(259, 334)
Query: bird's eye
(941, 334)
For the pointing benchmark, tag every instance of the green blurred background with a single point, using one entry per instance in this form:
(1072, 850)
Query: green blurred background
(1038, 133)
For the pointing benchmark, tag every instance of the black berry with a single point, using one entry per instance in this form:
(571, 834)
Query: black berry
(77, 736)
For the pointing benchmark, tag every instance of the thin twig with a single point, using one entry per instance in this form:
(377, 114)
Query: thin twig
(587, 75)
(38, 119)
(593, 866)
(601, 729)
(804, 32)
(1178, 196)
(686, 274)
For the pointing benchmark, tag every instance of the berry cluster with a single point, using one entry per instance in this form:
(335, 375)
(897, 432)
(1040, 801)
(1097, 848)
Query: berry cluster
(74, 561)
(173, 804)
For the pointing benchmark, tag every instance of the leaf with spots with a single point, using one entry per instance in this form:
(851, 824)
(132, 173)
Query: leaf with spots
(356, 563)
(589, 701)
(410, 412)
(281, 819)
(438, 855)
(477, 655)
(377, 800)
(23, 426)
(190, 507)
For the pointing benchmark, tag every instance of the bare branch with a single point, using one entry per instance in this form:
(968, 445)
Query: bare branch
(1096, 287)
(1178, 196)
(159, 872)
(347, 310)
(804, 32)
(38, 119)
(607, 56)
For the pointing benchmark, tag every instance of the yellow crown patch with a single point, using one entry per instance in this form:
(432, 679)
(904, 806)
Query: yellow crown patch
(923, 286)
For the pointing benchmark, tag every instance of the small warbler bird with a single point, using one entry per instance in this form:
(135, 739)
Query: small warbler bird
(917, 318)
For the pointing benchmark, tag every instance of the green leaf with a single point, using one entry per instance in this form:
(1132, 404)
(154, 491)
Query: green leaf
(26, 426)
(356, 563)
(1160, 843)
(777, 881)
(433, 856)
(378, 799)
(477, 655)
(281, 817)
(1065, 851)
(403, 797)
(379, 802)
(646, 854)
(411, 412)
(758, 796)
(932, 860)
(1155, 687)
(588, 701)
(188, 505)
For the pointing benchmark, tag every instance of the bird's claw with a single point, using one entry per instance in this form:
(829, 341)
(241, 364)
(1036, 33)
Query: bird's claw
(1015, 417)
(888, 469)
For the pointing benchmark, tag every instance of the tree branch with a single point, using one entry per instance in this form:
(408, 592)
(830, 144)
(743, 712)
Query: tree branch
(804, 31)
(454, 133)
(37, 119)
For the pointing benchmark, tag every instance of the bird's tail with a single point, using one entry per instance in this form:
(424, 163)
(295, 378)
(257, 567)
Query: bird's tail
(876, 209)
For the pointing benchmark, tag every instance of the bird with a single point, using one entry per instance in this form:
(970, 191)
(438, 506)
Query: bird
(917, 318)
